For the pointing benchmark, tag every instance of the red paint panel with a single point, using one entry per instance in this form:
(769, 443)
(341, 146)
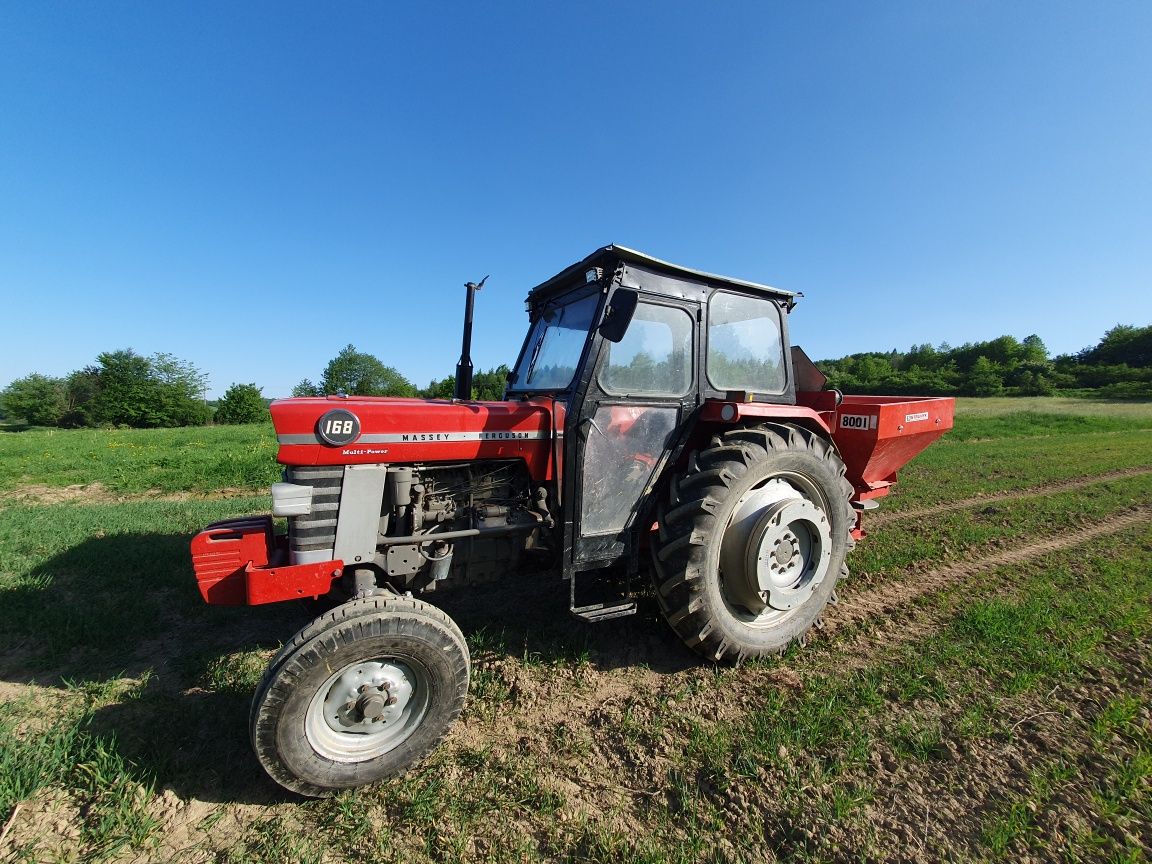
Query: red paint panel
(716, 411)
(430, 424)
(231, 560)
(559, 418)
(221, 552)
(273, 584)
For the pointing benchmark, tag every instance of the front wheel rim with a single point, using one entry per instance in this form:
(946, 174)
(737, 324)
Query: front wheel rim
(367, 708)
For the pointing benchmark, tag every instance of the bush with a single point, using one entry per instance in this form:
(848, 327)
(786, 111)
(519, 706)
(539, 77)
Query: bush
(1125, 390)
(241, 403)
(36, 399)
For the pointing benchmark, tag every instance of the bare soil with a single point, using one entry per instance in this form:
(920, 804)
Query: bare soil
(98, 493)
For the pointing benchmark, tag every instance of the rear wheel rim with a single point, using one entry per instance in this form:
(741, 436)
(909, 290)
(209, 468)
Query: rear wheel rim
(367, 708)
(776, 550)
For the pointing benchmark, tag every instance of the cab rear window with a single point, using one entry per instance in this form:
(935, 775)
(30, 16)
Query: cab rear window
(745, 351)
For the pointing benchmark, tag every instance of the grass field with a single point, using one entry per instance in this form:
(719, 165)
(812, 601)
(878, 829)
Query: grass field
(980, 692)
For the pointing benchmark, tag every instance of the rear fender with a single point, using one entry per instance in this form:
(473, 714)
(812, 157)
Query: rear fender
(716, 417)
(817, 417)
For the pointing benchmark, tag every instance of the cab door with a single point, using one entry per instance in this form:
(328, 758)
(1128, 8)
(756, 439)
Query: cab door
(639, 393)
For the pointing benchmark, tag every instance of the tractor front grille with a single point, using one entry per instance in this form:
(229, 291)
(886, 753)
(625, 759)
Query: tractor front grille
(313, 537)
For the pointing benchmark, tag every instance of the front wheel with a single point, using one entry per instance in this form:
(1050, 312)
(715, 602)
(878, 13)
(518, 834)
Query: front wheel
(752, 541)
(361, 698)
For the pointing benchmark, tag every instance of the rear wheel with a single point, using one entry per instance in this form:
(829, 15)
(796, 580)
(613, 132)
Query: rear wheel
(753, 540)
(361, 694)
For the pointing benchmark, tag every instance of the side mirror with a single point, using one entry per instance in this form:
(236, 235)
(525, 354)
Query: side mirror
(619, 314)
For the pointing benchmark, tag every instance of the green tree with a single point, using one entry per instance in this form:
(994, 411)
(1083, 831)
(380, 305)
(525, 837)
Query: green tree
(81, 388)
(487, 386)
(37, 399)
(985, 378)
(1122, 345)
(359, 374)
(306, 388)
(923, 356)
(180, 388)
(241, 403)
(147, 391)
(1035, 351)
(442, 388)
(126, 390)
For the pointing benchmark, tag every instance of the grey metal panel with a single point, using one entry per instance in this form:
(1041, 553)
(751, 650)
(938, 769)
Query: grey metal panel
(311, 556)
(626, 254)
(646, 279)
(360, 502)
(291, 499)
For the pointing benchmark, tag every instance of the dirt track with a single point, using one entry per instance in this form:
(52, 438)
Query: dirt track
(893, 597)
(886, 518)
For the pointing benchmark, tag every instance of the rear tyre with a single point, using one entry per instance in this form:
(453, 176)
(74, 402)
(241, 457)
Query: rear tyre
(359, 695)
(752, 541)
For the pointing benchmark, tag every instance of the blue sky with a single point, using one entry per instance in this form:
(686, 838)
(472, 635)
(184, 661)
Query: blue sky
(251, 186)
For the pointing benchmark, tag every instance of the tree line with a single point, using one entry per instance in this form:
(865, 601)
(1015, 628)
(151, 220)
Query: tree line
(1119, 366)
(126, 389)
(123, 388)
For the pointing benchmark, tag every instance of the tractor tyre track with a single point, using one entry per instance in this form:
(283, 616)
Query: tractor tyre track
(891, 598)
(1042, 490)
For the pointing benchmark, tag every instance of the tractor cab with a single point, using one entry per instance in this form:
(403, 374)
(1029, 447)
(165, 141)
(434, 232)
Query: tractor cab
(630, 349)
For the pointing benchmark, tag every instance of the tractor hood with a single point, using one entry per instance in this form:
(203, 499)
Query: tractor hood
(337, 430)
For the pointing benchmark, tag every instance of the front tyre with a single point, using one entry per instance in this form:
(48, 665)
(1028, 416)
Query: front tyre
(360, 699)
(752, 541)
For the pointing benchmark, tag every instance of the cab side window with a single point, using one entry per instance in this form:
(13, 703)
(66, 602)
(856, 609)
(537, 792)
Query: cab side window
(655, 356)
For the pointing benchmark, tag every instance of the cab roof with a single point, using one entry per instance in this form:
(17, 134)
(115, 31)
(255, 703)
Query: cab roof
(609, 256)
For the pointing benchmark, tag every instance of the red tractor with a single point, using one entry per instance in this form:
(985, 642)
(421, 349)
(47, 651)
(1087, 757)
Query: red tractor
(656, 419)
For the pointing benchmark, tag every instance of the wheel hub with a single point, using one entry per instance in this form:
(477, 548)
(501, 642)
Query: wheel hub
(366, 709)
(365, 696)
(785, 549)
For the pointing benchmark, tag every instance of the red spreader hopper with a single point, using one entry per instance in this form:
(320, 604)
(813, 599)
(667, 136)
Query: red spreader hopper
(877, 435)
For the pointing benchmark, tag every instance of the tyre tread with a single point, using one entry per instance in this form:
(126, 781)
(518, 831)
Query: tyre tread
(688, 519)
(341, 627)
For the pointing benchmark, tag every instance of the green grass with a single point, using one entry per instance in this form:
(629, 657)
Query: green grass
(1001, 524)
(951, 470)
(967, 406)
(1030, 424)
(98, 580)
(608, 743)
(56, 744)
(201, 459)
(1053, 631)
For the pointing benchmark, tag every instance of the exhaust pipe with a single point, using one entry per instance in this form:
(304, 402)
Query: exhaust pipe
(464, 367)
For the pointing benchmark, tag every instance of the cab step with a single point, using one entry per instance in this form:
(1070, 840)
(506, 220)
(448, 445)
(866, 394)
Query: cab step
(604, 611)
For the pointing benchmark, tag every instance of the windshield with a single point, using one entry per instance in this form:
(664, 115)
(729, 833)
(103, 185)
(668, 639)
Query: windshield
(555, 344)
